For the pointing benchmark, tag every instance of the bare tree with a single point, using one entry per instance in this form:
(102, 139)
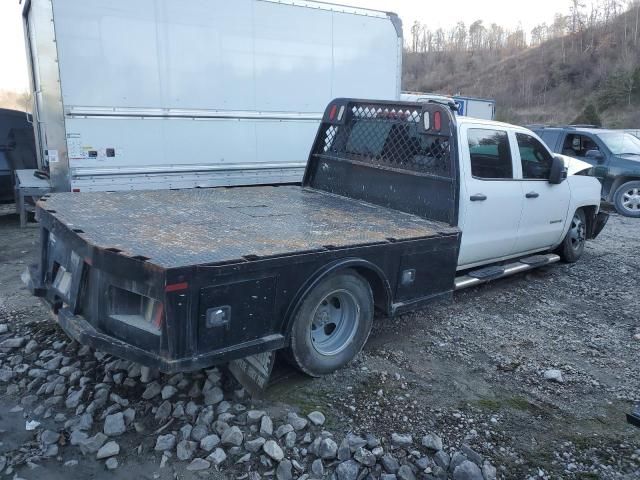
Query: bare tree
(416, 28)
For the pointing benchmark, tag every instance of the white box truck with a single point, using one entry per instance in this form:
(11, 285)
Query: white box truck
(482, 108)
(166, 94)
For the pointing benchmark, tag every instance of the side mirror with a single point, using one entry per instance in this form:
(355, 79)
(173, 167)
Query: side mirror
(558, 171)
(594, 155)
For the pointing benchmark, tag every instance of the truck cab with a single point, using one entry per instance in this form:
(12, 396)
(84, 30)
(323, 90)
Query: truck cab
(508, 205)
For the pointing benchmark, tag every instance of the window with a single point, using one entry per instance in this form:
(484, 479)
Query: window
(490, 154)
(536, 160)
(621, 143)
(578, 145)
(395, 144)
(550, 137)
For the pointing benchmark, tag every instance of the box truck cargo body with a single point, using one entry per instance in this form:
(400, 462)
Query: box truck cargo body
(157, 94)
(476, 107)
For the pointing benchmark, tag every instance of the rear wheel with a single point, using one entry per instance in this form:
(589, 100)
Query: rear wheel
(627, 199)
(332, 324)
(572, 246)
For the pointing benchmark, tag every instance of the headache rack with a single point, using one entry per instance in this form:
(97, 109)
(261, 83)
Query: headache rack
(396, 154)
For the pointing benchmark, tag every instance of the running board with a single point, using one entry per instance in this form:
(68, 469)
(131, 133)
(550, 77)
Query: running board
(494, 272)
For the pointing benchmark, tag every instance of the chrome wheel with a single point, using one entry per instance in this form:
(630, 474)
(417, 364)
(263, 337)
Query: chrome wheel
(577, 233)
(631, 200)
(335, 322)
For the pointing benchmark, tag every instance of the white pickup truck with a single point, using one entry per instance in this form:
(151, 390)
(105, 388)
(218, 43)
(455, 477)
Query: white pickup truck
(510, 205)
(401, 204)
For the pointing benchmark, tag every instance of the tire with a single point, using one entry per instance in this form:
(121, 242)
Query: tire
(627, 199)
(572, 247)
(332, 324)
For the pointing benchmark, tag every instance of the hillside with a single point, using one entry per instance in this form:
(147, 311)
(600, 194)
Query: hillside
(583, 61)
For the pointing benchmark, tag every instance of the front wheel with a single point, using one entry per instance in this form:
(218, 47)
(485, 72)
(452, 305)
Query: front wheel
(572, 247)
(332, 324)
(627, 199)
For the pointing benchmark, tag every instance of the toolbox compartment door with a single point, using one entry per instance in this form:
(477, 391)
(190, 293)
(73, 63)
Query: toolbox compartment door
(236, 312)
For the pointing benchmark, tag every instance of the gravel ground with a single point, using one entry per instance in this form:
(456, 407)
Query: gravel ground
(531, 374)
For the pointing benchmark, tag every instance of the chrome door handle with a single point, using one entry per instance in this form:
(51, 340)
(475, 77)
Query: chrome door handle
(532, 195)
(479, 197)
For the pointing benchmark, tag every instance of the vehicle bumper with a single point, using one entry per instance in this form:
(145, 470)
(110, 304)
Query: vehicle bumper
(81, 330)
(598, 224)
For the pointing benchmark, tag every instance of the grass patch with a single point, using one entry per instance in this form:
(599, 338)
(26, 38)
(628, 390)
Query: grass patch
(512, 403)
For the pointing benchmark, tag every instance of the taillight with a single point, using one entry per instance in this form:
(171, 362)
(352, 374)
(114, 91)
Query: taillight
(437, 121)
(332, 113)
(136, 310)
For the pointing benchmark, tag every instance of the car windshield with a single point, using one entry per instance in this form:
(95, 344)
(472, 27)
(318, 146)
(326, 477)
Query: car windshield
(621, 143)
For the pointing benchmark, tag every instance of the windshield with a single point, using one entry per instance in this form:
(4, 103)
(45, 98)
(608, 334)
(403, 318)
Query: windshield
(621, 143)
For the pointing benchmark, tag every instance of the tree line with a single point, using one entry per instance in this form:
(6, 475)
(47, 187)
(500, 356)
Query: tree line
(587, 57)
(577, 24)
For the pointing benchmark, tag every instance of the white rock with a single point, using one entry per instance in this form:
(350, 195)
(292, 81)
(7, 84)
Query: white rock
(114, 425)
(273, 450)
(109, 449)
(198, 464)
(168, 392)
(432, 442)
(217, 457)
(317, 418)
(165, 442)
(554, 376)
(209, 442)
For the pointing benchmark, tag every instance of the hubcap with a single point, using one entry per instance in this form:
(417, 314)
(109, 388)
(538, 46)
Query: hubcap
(577, 232)
(631, 200)
(335, 322)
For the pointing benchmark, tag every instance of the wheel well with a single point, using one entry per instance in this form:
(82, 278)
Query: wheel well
(617, 183)
(376, 280)
(381, 297)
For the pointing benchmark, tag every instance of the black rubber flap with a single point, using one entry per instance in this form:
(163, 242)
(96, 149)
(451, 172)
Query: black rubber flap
(634, 417)
(253, 372)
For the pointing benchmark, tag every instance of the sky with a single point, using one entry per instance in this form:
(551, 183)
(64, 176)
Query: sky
(509, 13)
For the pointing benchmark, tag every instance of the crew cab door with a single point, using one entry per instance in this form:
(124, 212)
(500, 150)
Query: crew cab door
(545, 206)
(491, 197)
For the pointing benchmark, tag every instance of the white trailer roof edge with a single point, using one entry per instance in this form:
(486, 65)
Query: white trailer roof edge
(336, 7)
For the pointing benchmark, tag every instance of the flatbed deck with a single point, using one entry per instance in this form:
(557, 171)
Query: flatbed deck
(220, 226)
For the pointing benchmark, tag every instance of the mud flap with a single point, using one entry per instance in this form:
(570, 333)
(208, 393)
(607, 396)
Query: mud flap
(598, 225)
(253, 372)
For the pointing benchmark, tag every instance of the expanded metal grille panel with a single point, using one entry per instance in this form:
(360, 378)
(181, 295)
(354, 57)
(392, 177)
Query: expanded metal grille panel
(387, 137)
(208, 226)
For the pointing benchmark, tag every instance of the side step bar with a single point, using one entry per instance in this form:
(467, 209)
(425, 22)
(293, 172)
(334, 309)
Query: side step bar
(486, 274)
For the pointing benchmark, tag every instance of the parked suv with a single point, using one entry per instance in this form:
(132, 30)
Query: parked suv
(614, 154)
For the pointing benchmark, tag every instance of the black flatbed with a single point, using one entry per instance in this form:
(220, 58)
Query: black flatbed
(185, 279)
(180, 228)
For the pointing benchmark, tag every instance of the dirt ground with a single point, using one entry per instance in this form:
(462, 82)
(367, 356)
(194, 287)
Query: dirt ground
(471, 370)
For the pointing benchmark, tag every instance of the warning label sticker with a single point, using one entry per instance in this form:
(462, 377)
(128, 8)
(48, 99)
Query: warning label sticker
(74, 145)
